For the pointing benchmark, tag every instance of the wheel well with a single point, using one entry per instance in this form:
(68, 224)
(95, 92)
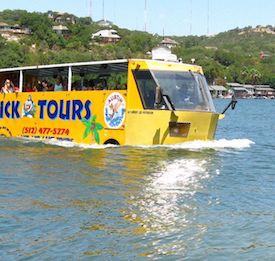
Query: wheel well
(111, 141)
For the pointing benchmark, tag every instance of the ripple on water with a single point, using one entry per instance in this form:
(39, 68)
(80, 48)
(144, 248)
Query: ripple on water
(195, 201)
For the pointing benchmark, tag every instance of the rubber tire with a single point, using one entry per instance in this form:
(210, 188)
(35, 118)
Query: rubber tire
(111, 141)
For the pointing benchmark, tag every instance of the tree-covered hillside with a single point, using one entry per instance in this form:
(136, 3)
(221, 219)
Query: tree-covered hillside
(243, 55)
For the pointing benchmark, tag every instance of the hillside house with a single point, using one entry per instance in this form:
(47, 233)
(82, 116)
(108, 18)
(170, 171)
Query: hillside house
(13, 32)
(61, 18)
(61, 30)
(106, 36)
(170, 43)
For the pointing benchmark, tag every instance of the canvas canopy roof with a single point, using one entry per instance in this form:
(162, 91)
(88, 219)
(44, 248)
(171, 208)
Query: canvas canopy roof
(218, 88)
(99, 67)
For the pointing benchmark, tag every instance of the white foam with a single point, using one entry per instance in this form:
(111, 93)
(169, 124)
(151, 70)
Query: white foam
(214, 144)
(67, 144)
(192, 145)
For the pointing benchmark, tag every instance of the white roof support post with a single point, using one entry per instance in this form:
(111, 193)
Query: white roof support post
(70, 78)
(21, 80)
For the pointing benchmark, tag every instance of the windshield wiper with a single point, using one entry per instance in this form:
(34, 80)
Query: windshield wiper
(163, 97)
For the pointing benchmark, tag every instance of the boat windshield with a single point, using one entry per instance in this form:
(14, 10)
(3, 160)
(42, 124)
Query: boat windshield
(184, 90)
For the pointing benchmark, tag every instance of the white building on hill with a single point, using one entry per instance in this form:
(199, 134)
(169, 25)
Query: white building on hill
(106, 36)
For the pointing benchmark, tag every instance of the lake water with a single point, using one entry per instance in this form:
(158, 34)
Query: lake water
(195, 201)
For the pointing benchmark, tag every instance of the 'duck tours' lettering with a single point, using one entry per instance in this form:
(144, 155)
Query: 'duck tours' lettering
(65, 110)
(9, 110)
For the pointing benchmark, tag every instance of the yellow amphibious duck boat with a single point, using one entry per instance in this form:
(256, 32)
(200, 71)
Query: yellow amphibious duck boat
(126, 102)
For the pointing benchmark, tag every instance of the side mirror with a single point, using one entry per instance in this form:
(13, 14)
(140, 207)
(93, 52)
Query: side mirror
(232, 104)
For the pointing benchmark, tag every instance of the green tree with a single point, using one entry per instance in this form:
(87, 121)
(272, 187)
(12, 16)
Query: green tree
(40, 26)
(224, 57)
(12, 54)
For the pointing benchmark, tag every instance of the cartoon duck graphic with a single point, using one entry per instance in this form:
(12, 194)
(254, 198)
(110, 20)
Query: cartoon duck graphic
(114, 109)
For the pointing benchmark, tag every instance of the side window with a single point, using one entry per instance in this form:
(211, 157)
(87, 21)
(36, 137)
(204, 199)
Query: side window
(147, 87)
(205, 90)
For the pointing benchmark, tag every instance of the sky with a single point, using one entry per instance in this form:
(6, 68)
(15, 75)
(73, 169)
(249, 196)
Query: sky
(163, 17)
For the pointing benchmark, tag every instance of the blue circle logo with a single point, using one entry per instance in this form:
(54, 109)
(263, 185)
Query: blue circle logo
(114, 110)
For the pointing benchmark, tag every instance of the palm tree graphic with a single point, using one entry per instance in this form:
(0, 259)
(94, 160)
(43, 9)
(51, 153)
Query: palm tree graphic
(93, 127)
